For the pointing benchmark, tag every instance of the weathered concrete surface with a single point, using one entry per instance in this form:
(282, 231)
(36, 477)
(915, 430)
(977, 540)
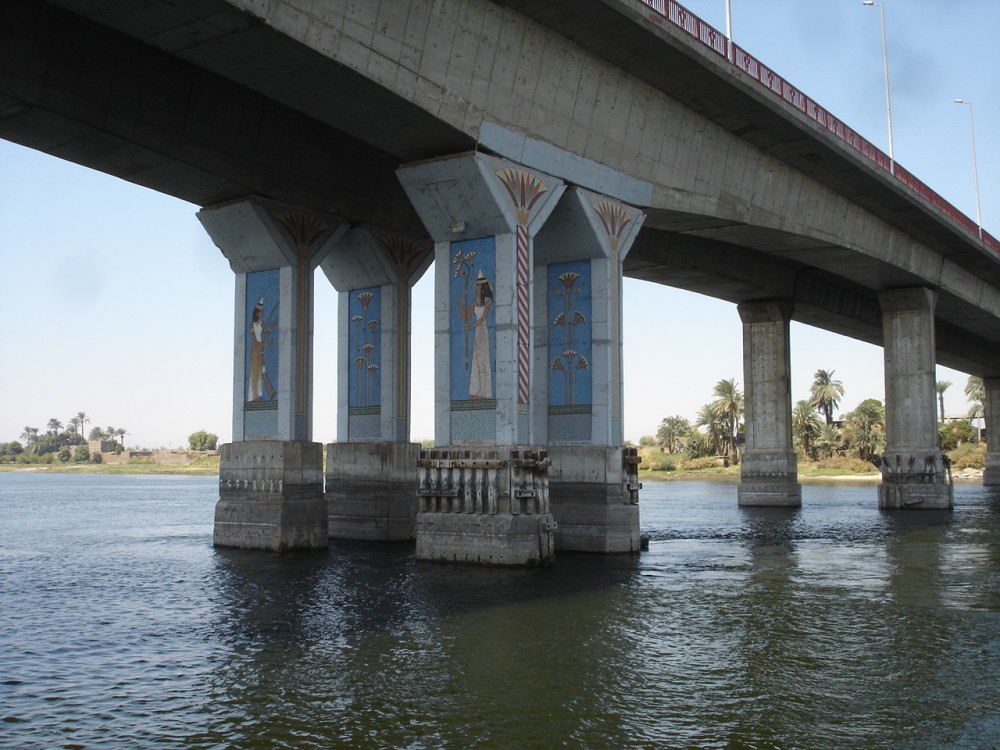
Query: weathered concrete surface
(271, 496)
(769, 468)
(371, 490)
(485, 507)
(558, 86)
(914, 471)
(991, 474)
(594, 496)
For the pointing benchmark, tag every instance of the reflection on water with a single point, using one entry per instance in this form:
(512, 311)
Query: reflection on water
(828, 626)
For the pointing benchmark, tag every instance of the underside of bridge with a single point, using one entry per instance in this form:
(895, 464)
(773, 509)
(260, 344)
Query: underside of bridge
(203, 101)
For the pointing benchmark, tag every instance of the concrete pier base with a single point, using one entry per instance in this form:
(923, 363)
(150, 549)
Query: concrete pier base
(594, 497)
(991, 407)
(484, 507)
(915, 473)
(915, 482)
(769, 471)
(769, 478)
(371, 490)
(271, 496)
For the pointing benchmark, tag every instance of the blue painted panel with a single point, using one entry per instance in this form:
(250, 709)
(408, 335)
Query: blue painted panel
(262, 308)
(570, 335)
(473, 322)
(365, 349)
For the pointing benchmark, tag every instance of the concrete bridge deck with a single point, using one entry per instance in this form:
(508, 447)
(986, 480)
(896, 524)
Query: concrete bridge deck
(318, 103)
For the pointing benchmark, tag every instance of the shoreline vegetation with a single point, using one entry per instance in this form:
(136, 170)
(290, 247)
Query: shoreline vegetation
(209, 466)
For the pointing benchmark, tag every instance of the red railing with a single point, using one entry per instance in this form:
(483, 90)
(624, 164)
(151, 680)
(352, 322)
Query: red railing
(718, 43)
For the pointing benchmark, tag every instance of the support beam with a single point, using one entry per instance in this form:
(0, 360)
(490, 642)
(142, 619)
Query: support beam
(271, 482)
(371, 471)
(769, 471)
(914, 470)
(991, 407)
(483, 214)
(579, 394)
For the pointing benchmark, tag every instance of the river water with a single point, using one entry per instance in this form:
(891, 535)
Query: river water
(831, 626)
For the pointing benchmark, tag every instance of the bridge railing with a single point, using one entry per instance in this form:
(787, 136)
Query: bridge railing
(718, 43)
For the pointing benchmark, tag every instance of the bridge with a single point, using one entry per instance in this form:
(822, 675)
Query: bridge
(559, 144)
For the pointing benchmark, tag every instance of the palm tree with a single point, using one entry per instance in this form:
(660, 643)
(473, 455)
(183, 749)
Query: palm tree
(864, 430)
(82, 420)
(975, 391)
(30, 437)
(730, 400)
(55, 427)
(120, 432)
(806, 425)
(712, 416)
(671, 430)
(828, 440)
(941, 386)
(826, 393)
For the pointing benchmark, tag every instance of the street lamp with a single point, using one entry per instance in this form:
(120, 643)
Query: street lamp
(885, 65)
(729, 28)
(975, 169)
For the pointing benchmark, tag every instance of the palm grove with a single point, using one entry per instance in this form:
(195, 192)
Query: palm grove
(66, 443)
(858, 437)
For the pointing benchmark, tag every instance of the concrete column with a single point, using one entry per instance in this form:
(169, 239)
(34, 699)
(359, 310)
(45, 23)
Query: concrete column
(769, 468)
(483, 214)
(271, 489)
(371, 471)
(914, 472)
(593, 481)
(991, 407)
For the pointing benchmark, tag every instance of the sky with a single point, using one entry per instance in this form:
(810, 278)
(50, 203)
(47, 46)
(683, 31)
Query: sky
(117, 303)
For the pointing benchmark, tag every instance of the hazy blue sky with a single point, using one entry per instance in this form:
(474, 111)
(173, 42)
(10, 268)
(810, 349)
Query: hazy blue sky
(118, 304)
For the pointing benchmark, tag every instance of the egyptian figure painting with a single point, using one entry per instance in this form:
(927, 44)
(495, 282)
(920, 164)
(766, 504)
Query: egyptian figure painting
(262, 342)
(473, 334)
(364, 348)
(570, 350)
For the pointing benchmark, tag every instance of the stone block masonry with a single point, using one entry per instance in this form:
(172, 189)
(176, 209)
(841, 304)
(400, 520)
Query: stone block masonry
(485, 507)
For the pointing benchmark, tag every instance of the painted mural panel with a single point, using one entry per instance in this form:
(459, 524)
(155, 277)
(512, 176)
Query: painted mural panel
(473, 324)
(570, 337)
(262, 309)
(365, 350)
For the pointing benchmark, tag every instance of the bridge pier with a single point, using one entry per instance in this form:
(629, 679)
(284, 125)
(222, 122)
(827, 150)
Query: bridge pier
(769, 468)
(593, 480)
(914, 471)
(270, 476)
(371, 471)
(483, 214)
(991, 409)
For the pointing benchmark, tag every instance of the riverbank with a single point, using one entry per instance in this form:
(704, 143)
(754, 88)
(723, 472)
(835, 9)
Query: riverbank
(206, 466)
(209, 466)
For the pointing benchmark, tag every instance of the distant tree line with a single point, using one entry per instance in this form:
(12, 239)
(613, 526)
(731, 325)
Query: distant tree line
(66, 443)
(717, 430)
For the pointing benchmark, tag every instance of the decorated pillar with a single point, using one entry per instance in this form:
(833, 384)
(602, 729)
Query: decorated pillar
(371, 471)
(991, 409)
(914, 471)
(769, 469)
(483, 214)
(271, 481)
(593, 480)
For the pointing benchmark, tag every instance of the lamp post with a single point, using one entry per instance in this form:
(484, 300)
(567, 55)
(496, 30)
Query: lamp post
(729, 29)
(885, 66)
(975, 168)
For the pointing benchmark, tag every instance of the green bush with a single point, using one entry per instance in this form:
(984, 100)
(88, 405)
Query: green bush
(954, 434)
(80, 453)
(968, 456)
(657, 460)
(845, 463)
(703, 462)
